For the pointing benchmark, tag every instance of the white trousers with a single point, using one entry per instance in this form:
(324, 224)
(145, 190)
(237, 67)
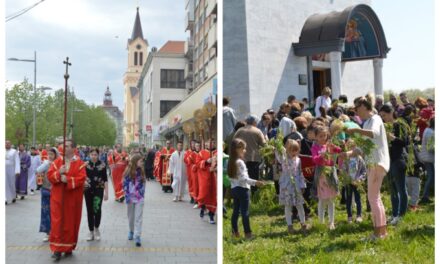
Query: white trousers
(322, 204)
(32, 180)
(134, 212)
(178, 185)
(288, 214)
(10, 190)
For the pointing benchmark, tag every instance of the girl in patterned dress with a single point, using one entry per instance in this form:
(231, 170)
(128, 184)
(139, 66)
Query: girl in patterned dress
(292, 183)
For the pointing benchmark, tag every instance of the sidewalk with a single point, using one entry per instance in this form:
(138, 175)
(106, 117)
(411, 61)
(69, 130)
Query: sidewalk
(172, 233)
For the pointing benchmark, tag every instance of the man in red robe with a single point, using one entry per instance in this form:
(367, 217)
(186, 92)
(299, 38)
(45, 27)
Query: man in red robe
(188, 163)
(207, 196)
(118, 161)
(165, 179)
(156, 166)
(66, 201)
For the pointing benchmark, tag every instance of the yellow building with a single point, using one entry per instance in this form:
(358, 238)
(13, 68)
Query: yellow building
(137, 48)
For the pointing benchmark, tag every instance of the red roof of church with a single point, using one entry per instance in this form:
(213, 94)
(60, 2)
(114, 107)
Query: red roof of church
(173, 47)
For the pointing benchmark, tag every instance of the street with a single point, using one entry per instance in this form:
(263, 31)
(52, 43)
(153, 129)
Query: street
(171, 233)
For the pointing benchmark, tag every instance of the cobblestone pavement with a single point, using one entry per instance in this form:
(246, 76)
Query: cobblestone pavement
(172, 233)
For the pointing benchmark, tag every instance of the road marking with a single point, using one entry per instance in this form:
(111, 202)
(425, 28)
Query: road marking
(120, 249)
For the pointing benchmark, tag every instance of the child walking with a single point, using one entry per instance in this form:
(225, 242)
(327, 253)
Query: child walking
(356, 170)
(240, 185)
(292, 183)
(95, 192)
(325, 174)
(134, 188)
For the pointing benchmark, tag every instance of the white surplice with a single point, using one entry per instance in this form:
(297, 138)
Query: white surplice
(32, 178)
(178, 169)
(12, 166)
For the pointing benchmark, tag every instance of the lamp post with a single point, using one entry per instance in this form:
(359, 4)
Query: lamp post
(35, 92)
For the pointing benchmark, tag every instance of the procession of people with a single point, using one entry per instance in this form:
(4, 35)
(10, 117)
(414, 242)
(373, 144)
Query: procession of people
(318, 154)
(64, 178)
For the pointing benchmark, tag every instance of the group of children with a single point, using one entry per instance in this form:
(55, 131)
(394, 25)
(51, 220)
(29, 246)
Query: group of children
(327, 159)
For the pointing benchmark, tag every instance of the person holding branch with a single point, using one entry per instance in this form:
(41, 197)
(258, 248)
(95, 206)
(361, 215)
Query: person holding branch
(378, 162)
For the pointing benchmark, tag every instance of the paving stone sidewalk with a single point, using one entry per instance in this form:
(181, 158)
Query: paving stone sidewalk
(172, 233)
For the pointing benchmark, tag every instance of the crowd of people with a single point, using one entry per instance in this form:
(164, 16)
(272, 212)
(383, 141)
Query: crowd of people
(332, 149)
(63, 179)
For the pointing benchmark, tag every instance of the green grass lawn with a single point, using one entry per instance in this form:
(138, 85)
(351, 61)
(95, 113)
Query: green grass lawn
(411, 241)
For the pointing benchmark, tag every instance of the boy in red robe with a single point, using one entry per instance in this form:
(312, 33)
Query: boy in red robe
(207, 196)
(66, 201)
(188, 163)
(118, 161)
(165, 179)
(194, 173)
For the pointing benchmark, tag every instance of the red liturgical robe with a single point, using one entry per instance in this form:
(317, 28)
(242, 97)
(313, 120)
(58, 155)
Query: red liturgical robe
(188, 163)
(66, 201)
(118, 162)
(163, 164)
(194, 174)
(207, 180)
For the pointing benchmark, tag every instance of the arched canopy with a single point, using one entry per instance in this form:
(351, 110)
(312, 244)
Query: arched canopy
(356, 32)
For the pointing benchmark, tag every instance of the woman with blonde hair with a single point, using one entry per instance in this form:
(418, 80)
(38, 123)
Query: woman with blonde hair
(323, 101)
(379, 160)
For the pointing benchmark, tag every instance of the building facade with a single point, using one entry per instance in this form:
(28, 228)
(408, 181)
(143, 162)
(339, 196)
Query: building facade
(115, 114)
(200, 75)
(273, 49)
(137, 48)
(180, 78)
(162, 86)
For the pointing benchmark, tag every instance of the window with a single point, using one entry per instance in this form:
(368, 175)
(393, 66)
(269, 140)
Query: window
(135, 58)
(166, 106)
(172, 79)
(141, 58)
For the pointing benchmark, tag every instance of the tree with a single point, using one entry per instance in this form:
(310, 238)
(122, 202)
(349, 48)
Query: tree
(92, 126)
(19, 111)
(412, 94)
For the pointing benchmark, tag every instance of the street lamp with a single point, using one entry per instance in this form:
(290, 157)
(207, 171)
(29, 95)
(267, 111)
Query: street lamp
(44, 88)
(35, 91)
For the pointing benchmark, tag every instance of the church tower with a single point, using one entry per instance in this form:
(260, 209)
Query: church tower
(137, 48)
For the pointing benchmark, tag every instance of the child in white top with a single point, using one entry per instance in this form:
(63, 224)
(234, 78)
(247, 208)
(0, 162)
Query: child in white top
(240, 185)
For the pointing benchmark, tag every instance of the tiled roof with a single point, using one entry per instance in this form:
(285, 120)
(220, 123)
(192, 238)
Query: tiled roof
(175, 47)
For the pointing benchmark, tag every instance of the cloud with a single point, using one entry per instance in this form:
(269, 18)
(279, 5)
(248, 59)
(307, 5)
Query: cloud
(85, 31)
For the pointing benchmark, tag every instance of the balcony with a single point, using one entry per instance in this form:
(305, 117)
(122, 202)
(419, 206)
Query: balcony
(189, 20)
(188, 72)
(211, 7)
(212, 36)
(212, 67)
(189, 48)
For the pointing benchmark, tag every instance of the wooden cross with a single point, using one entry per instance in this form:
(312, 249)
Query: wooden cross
(66, 75)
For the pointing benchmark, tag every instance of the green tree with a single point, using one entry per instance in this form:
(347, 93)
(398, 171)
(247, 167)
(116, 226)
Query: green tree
(91, 126)
(412, 94)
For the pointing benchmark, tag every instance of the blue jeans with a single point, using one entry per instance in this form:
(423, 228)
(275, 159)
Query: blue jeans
(241, 198)
(350, 190)
(430, 181)
(399, 193)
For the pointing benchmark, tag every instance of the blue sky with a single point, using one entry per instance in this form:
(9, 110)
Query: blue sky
(409, 30)
(86, 32)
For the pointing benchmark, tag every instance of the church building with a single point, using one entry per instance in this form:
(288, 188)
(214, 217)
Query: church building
(273, 49)
(137, 48)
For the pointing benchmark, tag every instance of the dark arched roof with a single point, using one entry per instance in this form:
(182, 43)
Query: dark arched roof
(323, 33)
